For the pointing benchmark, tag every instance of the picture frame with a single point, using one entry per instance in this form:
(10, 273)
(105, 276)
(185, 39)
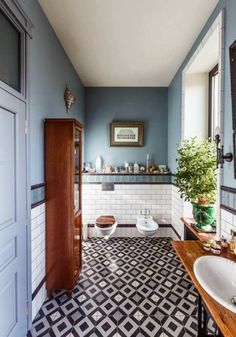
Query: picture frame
(127, 134)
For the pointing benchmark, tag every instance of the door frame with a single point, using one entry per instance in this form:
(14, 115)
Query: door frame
(15, 13)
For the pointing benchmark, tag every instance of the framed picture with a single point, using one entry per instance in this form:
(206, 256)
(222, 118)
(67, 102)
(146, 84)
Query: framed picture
(126, 134)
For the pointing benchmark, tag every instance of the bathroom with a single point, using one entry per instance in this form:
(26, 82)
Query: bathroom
(96, 99)
(128, 193)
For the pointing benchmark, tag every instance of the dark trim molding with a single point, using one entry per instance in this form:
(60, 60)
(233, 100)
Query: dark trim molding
(130, 183)
(229, 209)
(228, 189)
(34, 187)
(161, 225)
(128, 174)
(176, 233)
(37, 197)
(38, 288)
(36, 204)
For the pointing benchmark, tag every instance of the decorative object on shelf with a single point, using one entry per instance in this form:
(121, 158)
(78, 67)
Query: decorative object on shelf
(69, 99)
(131, 168)
(88, 166)
(108, 169)
(126, 134)
(221, 157)
(99, 164)
(152, 168)
(136, 168)
(232, 55)
(92, 170)
(196, 179)
(142, 169)
(127, 167)
(162, 168)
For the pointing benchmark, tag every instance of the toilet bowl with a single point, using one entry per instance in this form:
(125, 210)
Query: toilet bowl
(105, 225)
(146, 225)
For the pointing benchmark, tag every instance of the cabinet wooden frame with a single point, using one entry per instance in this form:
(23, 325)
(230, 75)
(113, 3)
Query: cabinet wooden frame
(63, 222)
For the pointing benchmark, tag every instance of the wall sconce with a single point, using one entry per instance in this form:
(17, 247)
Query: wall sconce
(69, 99)
(221, 157)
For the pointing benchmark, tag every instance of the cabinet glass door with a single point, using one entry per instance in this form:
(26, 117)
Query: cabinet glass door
(77, 171)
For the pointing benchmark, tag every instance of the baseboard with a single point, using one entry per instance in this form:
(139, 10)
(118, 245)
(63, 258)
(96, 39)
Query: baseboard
(36, 291)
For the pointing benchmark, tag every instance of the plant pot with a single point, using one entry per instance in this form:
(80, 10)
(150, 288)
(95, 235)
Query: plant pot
(204, 215)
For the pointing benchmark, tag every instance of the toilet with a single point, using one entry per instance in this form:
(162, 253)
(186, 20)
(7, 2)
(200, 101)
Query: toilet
(146, 225)
(105, 225)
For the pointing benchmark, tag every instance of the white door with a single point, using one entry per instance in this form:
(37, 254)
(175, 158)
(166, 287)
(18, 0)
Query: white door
(13, 262)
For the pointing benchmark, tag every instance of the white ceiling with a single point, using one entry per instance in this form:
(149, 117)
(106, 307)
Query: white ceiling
(127, 42)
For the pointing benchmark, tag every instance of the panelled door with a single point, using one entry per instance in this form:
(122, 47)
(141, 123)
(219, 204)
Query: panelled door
(13, 177)
(13, 258)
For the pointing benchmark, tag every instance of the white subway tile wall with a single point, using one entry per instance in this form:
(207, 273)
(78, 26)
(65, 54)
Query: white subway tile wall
(228, 222)
(126, 202)
(177, 211)
(38, 255)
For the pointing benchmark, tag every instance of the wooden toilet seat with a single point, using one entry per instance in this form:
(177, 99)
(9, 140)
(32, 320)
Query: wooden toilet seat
(105, 221)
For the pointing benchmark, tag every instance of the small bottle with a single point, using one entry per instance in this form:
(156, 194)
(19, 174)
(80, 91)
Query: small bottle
(224, 242)
(232, 244)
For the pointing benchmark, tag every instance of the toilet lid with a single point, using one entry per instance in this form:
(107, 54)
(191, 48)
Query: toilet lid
(105, 221)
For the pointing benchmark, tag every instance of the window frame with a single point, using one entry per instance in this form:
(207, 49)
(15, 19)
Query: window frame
(212, 74)
(14, 13)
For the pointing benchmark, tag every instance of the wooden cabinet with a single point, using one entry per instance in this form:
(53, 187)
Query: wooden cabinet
(190, 233)
(63, 159)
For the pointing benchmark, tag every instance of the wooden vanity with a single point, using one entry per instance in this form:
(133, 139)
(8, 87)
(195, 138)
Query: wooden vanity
(188, 252)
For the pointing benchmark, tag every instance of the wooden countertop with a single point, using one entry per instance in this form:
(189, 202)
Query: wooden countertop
(188, 252)
(202, 236)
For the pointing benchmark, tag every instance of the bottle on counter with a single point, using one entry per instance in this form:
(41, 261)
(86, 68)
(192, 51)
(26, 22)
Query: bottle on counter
(224, 242)
(232, 244)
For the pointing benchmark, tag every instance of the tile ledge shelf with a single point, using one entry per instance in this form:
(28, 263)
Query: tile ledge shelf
(128, 174)
(128, 178)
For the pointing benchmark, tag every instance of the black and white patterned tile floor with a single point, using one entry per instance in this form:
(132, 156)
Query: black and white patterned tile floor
(129, 287)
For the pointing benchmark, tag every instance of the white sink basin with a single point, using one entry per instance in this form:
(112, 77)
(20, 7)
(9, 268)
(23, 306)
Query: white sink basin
(217, 276)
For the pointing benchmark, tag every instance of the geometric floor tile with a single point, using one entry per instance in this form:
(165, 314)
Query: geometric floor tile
(128, 287)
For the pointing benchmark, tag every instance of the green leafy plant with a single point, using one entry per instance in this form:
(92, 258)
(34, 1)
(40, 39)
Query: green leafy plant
(196, 172)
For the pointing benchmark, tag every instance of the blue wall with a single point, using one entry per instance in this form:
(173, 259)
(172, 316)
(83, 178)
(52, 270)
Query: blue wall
(50, 70)
(103, 105)
(175, 92)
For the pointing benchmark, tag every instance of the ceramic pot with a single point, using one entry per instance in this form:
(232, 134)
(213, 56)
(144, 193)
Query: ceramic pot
(204, 215)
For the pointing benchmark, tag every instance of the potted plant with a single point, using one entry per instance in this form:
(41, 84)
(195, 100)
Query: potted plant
(196, 178)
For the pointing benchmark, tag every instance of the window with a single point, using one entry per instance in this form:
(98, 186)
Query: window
(10, 42)
(213, 101)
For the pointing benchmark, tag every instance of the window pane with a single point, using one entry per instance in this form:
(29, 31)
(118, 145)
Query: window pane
(213, 101)
(9, 53)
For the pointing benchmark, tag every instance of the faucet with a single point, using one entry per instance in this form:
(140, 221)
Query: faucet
(146, 213)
